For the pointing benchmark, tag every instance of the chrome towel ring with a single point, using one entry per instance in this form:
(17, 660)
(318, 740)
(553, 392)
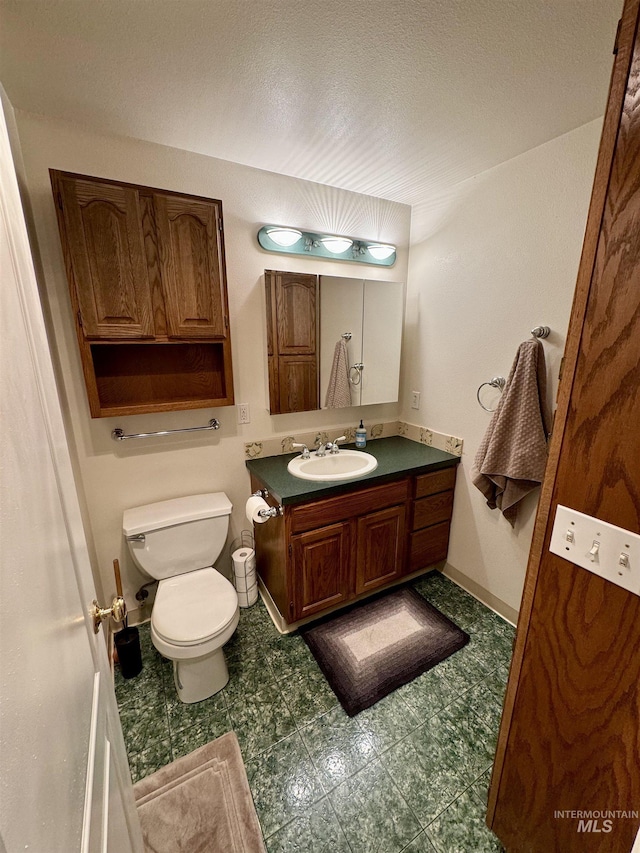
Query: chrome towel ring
(357, 378)
(496, 382)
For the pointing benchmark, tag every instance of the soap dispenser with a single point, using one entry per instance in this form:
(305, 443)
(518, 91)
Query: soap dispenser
(361, 436)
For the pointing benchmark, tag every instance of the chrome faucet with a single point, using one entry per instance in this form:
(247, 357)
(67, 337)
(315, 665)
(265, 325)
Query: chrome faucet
(305, 450)
(331, 446)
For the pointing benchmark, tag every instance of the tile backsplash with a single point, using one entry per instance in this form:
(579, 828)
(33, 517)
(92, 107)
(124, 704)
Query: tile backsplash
(284, 444)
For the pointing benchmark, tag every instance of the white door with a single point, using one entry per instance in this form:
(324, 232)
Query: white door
(64, 780)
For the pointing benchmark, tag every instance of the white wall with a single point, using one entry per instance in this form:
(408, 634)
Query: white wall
(494, 258)
(120, 475)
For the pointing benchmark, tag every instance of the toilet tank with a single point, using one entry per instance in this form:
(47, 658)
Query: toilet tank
(180, 535)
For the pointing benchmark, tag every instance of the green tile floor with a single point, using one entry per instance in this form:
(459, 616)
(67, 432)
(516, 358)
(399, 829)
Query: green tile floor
(409, 774)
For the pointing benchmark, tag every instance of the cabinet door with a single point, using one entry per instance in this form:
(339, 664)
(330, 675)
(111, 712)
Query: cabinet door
(381, 538)
(103, 245)
(192, 265)
(298, 381)
(296, 313)
(291, 341)
(321, 569)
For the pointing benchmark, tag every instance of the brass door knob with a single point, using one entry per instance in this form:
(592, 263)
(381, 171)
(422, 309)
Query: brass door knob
(117, 612)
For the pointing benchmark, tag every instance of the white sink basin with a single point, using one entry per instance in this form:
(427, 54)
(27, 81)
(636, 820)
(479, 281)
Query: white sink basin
(344, 465)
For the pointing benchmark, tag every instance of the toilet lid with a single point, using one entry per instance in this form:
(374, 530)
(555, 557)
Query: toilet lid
(193, 607)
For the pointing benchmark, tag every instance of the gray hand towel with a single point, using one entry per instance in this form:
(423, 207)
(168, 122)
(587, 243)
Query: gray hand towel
(339, 388)
(511, 459)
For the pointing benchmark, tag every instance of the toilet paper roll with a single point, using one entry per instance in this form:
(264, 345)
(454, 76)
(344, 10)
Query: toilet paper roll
(253, 507)
(244, 576)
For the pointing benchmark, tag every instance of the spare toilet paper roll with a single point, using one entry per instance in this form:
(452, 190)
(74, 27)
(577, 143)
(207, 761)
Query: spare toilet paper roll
(253, 507)
(244, 576)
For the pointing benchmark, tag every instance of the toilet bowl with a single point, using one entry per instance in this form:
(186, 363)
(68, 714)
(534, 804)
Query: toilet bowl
(196, 609)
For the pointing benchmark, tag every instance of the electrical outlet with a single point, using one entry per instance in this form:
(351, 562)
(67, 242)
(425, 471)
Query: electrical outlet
(415, 399)
(243, 413)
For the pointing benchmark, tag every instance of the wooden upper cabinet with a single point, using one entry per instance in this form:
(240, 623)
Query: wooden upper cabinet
(148, 287)
(105, 257)
(192, 266)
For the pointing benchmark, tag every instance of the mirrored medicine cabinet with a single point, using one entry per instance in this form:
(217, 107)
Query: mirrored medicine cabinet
(308, 314)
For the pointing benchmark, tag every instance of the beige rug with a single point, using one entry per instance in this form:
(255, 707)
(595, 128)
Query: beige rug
(200, 803)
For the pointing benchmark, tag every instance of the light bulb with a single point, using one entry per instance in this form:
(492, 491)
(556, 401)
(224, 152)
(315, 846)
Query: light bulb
(336, 245)
(380, 251)
(284, 236)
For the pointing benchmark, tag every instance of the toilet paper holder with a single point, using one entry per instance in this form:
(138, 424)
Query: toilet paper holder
(273, 511)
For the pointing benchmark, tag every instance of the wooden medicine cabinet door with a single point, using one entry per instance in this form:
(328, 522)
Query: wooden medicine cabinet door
(105, 257)
(292, 341)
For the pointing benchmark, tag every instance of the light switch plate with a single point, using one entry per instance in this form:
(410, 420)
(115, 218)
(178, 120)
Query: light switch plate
(600, 547)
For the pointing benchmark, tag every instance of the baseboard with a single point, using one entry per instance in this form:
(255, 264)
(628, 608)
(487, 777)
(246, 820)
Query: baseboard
(285, 627)
(477, 591)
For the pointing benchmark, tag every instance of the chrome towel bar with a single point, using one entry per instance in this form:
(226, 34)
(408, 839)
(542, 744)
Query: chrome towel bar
(119, 434)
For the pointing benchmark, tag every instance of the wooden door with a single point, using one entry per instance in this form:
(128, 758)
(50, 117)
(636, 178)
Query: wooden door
(569, 742)
(322, 569)
(380, 550)
(103, 245)
(192, 265)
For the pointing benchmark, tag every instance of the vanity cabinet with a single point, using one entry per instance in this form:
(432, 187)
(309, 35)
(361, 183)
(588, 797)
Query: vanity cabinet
(148, 288)
(326, 552)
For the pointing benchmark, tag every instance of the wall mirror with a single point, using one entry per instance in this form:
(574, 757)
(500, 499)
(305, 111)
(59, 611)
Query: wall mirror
(307, 315)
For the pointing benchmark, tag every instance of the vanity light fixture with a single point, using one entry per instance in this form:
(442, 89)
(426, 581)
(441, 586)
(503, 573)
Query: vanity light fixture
(292, 241)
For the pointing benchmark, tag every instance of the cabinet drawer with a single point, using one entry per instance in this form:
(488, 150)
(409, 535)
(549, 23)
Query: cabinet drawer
(329, 510)
(429, 546)
(432, 510)
(439, 481)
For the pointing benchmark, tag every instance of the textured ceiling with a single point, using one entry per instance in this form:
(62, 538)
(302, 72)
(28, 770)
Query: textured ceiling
(398, 99)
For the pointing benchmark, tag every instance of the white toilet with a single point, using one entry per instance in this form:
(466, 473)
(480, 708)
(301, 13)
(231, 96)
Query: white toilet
(196, 609)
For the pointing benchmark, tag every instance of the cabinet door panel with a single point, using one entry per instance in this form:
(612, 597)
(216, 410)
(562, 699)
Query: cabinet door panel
(192, 266)
(296, 314)
(380, 548)
(321, 569)
(298, 381)
(104, 248)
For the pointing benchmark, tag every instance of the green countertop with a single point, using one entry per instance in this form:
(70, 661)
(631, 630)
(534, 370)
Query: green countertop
(396, 456)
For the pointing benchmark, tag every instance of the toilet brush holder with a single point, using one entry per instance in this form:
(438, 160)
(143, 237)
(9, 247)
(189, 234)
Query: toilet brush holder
(127, 641)
(127, 644)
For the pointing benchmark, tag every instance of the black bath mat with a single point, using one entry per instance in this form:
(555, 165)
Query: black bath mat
(379, 645)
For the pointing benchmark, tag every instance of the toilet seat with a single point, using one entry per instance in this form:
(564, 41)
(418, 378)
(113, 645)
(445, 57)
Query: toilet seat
(194, 608)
